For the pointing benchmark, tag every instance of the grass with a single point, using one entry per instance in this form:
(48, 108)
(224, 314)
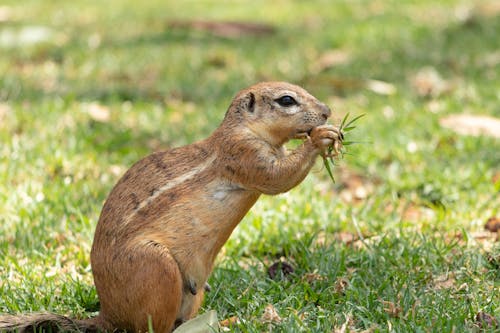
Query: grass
(420, 266)
(333, 152)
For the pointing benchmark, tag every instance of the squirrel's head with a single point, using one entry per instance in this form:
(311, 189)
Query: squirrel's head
(277, 111)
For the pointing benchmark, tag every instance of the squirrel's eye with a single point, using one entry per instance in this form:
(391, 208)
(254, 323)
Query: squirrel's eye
(286, 101)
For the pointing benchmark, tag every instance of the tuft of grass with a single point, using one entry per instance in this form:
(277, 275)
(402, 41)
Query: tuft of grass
(346, 125)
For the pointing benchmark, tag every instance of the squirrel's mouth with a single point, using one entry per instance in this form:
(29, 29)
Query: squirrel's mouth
(303, 133)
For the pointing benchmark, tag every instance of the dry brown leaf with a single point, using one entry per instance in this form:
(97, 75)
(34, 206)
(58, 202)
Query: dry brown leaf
(226, 29)
(117, 170)
(486, 239)
(427, 82)
(380, 87)
(331, 58)
(313, 277)
(350, 326)
(486, 321)
(392, 309)
(5, 14)
(355, 187)
(229, 321)
(347, 326)
(493, 224)
(321, 238)
(488, 8)
(345, 237)
(366, 241)
(270, 315)
(341, 285)
(414, 213)
(444, 281)
(472, 125)
(98, 112)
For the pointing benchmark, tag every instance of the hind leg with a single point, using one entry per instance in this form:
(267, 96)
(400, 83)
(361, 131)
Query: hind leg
(134, 288)
(158, 298)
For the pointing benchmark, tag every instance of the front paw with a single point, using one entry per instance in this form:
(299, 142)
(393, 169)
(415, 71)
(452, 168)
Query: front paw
(325, 136)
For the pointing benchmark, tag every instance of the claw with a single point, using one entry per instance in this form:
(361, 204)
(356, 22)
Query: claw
(337, 146)
(331, 155)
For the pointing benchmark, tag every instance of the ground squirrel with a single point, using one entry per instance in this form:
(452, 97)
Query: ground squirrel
(169, 215)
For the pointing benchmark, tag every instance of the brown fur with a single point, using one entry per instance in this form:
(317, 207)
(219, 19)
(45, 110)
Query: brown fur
(169, 215)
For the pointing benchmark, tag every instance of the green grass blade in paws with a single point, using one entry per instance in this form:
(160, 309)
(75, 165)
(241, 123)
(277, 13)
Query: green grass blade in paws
(346, 125)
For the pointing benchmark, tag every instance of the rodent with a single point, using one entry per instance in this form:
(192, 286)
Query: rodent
(166, 219)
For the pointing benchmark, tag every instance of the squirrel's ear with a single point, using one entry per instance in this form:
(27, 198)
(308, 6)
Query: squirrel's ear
(251, 102)
(242, 104)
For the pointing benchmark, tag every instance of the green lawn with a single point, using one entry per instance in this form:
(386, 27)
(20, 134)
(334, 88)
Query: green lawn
(110, 81)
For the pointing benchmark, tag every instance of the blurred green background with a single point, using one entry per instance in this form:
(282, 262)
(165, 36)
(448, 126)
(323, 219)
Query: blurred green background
(89, 87)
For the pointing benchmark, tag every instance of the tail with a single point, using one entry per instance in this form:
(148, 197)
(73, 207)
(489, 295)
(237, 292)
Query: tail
(47, 323)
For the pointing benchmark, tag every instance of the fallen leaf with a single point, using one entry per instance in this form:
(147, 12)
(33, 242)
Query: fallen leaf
(485, 320)
(280, 266)
(24, 36)
(354, 187)
(345, 237)
(313, 277)
(329, 59)
(270, 315)
(380, 87)
(229, 321)
(5, 13)
(392, 309)
(485, 239)
(98, 112)
(444, 281)
(321, 238)
(341, 285)
(117, 170)
(367, 241)
(488, 8)
(493, 224)
(227, 29)
(347, 326)
(350, 326)
(52, 271)
(427, 82)
(414, 213)
(472, 125)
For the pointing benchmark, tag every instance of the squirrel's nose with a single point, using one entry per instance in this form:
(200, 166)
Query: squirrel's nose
(325, 111)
